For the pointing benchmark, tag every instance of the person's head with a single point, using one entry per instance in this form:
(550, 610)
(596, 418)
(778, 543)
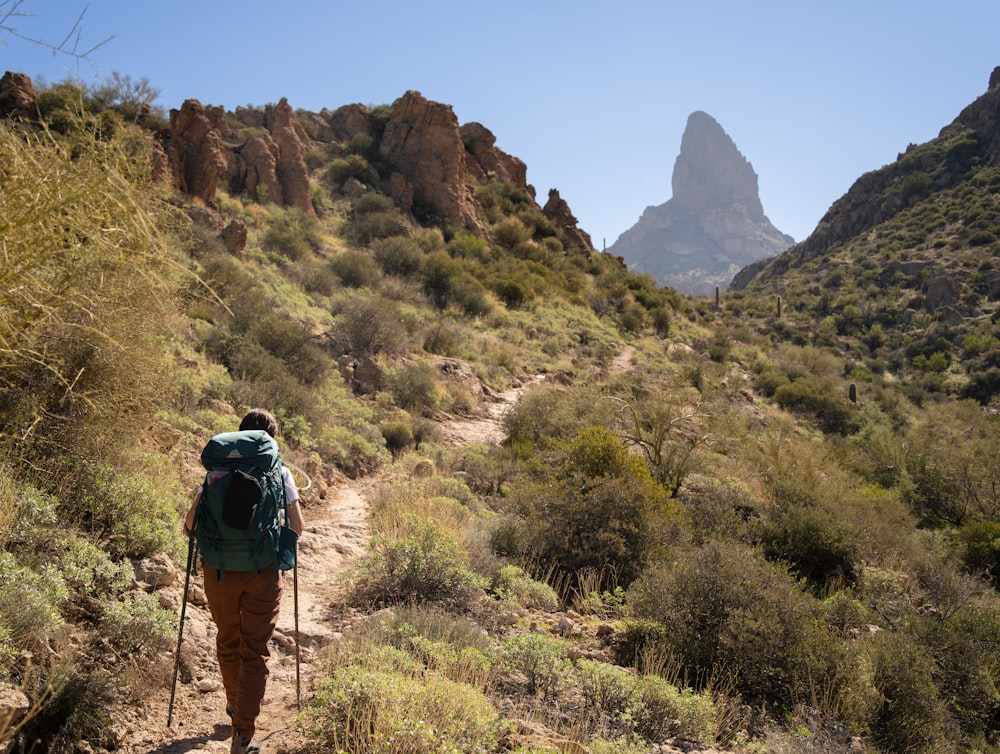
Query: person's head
(258, 418)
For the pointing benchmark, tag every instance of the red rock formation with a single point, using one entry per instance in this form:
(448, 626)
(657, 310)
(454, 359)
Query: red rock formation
(290, 137)
(18, 98)
(423, 145)
(195, 152)
(268, 164)
(557, 210)
(489, 163)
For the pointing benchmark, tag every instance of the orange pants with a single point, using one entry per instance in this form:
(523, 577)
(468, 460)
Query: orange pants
(244, 606)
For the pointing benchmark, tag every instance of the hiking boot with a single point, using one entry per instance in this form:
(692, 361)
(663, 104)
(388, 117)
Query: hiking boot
(244, 746)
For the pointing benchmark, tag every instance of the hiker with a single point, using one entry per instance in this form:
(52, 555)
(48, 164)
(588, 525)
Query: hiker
(244, 605)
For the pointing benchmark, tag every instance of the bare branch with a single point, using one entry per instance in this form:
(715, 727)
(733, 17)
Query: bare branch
(10, 10)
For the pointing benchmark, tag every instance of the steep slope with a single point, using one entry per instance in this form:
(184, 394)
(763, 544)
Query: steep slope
(903, 267)
(714, 224)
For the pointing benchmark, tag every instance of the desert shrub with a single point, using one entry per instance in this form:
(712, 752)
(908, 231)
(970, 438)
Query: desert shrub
(290, 233)
(814, 398)
(726, 608)
(910, 716)
(372, 711)
(30, 602)
(669, 712)
(537, 661)
(487, 468)
(511, 582)
(398, 435)
(416, 387)
(610, 697)
(351, 166)
(356, 449)
(355, 269)
(398, 256)
(79, 709)
(125, 512)
(447, 282)
(816, 543)
(76, 369)
(373, 217)
(369, 326)
(979, 544)
(423, 564)
(137, 622)
(513, 291)
(291, 343)
(598, 509)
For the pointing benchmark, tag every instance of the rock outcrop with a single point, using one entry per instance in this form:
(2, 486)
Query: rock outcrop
(423, 148)
(713, 226)
(194, 150)
(18, 98)
(558, 211)
(415, 151)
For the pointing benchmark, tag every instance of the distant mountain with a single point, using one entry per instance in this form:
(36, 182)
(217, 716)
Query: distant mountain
(713, 226)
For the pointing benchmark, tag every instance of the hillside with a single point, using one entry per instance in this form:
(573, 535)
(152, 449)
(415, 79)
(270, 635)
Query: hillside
(901, 271)
(698, 527)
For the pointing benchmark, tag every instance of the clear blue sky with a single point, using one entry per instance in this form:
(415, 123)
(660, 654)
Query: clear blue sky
(593, 96)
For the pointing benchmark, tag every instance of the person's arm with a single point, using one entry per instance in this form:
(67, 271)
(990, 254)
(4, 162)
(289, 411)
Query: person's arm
(295, 521)
(293, 511)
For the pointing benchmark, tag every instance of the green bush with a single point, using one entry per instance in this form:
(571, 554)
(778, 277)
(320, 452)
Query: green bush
(371, 711)
(512, 583)
(595, 506)
(816, 544)
(725, 609)
(355, 269)
(829, 407)
(398, 256)
(398, 436)
(124, 511)
(424, 564)
(373, 217)
(135, 623)
(980, 548)
(29, 606)
(910, 716)
(668, 712)
(291, 233)
(610, 697)
(539, 662)
(417, 387)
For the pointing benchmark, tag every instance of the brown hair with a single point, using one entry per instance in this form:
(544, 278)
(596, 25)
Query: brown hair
(258, 418)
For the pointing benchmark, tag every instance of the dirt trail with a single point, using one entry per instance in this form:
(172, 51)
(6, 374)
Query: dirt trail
(336, 535)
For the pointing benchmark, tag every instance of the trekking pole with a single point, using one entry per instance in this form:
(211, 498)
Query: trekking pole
(295, 591)
(180, 631)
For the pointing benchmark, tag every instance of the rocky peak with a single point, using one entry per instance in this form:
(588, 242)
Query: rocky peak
(712, 227)
(710, 171)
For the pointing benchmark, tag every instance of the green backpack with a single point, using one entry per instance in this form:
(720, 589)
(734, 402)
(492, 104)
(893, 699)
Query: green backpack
(240, 521)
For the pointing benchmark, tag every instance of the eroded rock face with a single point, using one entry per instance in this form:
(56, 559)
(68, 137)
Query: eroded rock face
(18, 98)
(423, 145)
(558, 211)
(266, 162)
(713, 226)
(488, 163)
(195, 152)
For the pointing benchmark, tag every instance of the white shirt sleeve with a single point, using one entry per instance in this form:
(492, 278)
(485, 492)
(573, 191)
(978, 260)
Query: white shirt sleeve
(291, 491)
